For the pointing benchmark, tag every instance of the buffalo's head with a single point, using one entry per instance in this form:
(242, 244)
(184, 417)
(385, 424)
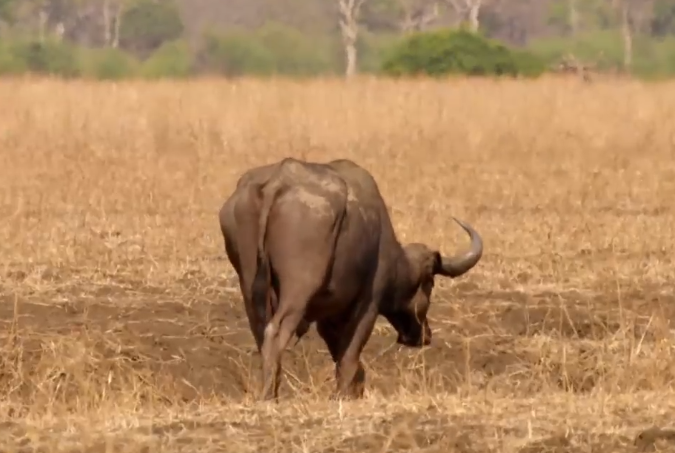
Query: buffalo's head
(416, 271)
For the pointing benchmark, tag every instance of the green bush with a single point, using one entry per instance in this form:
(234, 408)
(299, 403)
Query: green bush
(10, 64)
(655, 61)
(234, 54)
(48, 58)
(292, 52)
(109, 64)
(450, 51)
(528, 64)
(273, 49)
(372, 49)
(172, 60)
(603, 50)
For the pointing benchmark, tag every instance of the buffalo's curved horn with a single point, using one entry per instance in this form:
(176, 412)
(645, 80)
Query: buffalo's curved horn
(454, 266)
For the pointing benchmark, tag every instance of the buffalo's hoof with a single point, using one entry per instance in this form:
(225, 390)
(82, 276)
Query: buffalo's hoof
(348, 395)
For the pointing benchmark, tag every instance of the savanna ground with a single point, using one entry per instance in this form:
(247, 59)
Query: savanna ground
(122, 325)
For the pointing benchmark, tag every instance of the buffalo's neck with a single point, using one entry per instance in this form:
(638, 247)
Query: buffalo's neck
(401, 283)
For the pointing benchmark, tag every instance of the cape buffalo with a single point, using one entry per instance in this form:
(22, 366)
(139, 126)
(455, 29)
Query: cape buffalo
(313, 242)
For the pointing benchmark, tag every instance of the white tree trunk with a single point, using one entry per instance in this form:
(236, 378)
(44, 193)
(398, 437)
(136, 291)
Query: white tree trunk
(627, 36)
(42, 27)
(573, 17)
(349, 12)
(351, 55)
(474, 12)
(469, 11)
(118, 21)
(107, 24)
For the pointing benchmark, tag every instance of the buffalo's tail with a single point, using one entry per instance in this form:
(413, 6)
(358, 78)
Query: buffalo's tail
(263, 275)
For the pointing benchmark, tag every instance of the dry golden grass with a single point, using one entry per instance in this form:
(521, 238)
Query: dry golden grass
(122, 328)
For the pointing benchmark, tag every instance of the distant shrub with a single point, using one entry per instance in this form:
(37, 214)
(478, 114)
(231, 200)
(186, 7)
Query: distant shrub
(528, 64)
(234, 54)
(48, 57)
(372, 49)
(172, 60)
(291, 51)
(603, 51)
(460, 51)
(10, 64)
(109, 64)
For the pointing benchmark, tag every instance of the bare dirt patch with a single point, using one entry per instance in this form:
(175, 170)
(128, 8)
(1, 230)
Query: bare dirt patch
(205, 348)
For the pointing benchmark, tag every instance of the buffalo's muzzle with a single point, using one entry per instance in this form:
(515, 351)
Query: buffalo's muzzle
(414, 342)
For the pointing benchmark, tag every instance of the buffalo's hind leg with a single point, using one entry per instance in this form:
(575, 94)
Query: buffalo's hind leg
(301, 258)
(278, 333)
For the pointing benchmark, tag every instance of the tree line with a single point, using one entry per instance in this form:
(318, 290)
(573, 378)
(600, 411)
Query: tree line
(163, 38)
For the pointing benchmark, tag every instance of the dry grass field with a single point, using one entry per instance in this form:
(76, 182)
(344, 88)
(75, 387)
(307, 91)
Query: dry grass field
(123, 329)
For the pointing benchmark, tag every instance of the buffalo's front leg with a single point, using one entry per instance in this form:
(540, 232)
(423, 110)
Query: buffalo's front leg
(345, 342)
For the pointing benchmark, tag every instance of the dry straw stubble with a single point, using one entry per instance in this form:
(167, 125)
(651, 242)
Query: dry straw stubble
(123, 327)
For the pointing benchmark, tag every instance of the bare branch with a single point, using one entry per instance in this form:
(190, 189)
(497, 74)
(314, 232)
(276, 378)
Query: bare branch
(458, 5)
(468, 10)
(350, 8)
(420, 18)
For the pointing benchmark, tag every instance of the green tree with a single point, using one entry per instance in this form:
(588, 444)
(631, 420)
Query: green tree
(7, 10)
(663, 20)
(147, 24)
(382, 15)
(559, 15)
